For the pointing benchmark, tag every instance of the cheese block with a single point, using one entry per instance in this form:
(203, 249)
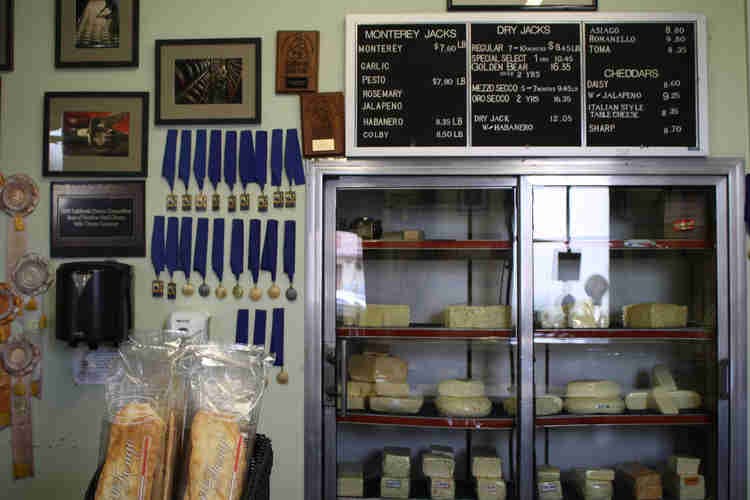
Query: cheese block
(605, 389)
(461, 388)
(640, 482)
(687, 400)
(637, 401)
(376, 315)
(549, 490)
(490, 317)
(591, 489)
(356, 402)
(360, 388)
(442, 450)
(486, 464)
(370, 368)
(585, 314)
(392, 389)
(437, 465)
(547, 404)
(409, 406)
(653, 315)
(490, 489)
(594, 474)
(547, 473)
(394, 487)
(442, 487)
(683, 464)
(350, 480)
(661, 399)
(396, 462)
(582, 406)
(662, 377)
(413, 235)
(685, 486)
(463, 407)
(376, 348)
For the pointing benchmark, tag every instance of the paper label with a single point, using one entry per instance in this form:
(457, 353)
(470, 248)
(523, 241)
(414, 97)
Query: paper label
(547, 487)
(323, 144)
(92, 367)
(393, 483)
(440, 484)
(692, 481)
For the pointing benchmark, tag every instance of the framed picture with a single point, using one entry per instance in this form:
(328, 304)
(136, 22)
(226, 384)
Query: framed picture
(522, 4)
(208, 81)
(96, 33)
(95, 134)
(97, 219)
(6, 35)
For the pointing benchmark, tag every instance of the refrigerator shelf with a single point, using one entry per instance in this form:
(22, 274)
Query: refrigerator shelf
(422, 333)
(613, 335)
(626, 419)
(430, 418)
(437, 245)
(644, 244)
(420, 488)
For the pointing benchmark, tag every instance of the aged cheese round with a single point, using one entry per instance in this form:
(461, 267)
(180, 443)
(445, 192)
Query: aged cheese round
(463, 407)
(594, 405)
(409, 405)
(604, 389)
(458, 388)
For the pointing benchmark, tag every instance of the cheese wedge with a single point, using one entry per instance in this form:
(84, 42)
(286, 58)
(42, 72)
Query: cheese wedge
(486, 464)
(605, 389)
(350, 480)
(653, 315)
(394, 487)
(489, 317)
(686, 486)
(547, 473)
(490, 489)
(442, 487)
(370, 368)
(582, 406)
(662, 377)
(547, 404)
(683, 464)
(392, 389)
(461, 388)
(661, 399)
(463, 407)
(396, 462)
(376, 315)
(549, 490)
(437, 465)
(409, 406)
(640, 482)
(637, 401)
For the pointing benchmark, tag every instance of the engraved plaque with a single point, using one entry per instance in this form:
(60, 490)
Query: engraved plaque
(297, 56)
(323, 124)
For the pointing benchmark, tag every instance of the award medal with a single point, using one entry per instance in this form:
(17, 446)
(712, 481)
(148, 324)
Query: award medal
(158, 256)
(241, 328)
(295, 173)
(261, 165)
(199, 170)
(277, 138)
(277, 344)
(18, 198)
(32, 277)
(246, 167)
(186, 250)
(217, 257)
(237, 255)
(259, 329)
(290, 229)
(186, 144)
(201, 253)
(168, 167)
(173, 257)
(253, 258)
(10, 308)
(214, 168)
(269, 256)
(230, 167)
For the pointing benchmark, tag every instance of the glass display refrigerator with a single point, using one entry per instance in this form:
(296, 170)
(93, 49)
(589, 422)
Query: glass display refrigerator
(494, 328)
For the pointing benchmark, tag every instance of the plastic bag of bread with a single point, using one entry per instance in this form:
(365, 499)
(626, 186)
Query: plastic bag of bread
(226, 387)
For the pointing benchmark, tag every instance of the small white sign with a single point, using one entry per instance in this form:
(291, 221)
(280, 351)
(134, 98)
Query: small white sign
(92, 367)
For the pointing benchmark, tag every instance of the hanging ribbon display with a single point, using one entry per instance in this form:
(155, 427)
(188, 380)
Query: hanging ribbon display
(168, 166)
(261, 166)
(295, 172)
(277, 138)
(269, 257)
(237, 255)
(158, 256)
(214, 167)
(277, 344)
(173, 258)
(217, 256)
(186, 146)
(201, 255)
(241, 329)
(199, 169)
(230, 167)
(290, 230)
(253, 257)
(246, 166)
(186, 252)
(259, 328)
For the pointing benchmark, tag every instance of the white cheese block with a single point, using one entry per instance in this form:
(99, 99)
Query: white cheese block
(549, 490)
(662, 377)
(582, 406)
(461, 388)
(486, 464)
(371, 368)
(606, 389)
(490, 317)
(437, 465)
(683, 464)
(350, 480)
(384, 315)
(594, 474)
(360, 388)
(591, 489)
(490, 489)
(547, 473)
(653, 315)
(661, 399)
(392, 389)
(547, 404)
(409, 406)
(687, 400)
(686, 486)
(394, 487)
(442, 487)
(637, 401)
(463, 407)
(396, 462)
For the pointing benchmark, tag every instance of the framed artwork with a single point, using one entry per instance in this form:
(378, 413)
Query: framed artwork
(6, 35)
(522, 4)
(208, 81)
(97, 219)
(95, 134)
(96, 33)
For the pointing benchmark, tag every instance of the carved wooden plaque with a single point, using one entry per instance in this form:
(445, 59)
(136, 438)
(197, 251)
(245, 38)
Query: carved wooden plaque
(297, 58)
(323, 124)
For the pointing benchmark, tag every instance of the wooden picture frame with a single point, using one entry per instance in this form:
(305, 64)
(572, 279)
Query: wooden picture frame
(97, 219)
(522, 5)
(6, 35)
(233, 97)
(297, 61)
(94, 34)
(95, 134)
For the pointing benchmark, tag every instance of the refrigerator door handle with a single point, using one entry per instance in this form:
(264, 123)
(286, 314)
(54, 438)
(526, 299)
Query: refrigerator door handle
(725, 379)
(330, 392)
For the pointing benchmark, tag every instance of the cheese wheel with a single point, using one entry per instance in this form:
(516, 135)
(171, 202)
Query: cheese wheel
(387, 315)
(461, 388)
(392, 389)
(463, 407)
(687, 400)
(583, 406)
(371, 368)
(547, 404)
(662, 377)
(410, 405)
(595, 490)
(605, 389)
(637, 401)
(360, 388)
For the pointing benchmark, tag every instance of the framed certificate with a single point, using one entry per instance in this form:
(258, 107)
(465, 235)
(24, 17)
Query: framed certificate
(522, 4)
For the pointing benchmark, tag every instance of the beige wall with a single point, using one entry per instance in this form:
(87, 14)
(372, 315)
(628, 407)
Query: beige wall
(67, 421)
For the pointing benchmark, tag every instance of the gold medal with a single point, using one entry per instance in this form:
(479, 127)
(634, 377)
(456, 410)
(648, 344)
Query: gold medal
(244, 202)
(204, 290)
(274, 292)
(215, 202)
(256, 293)
(157, 289)
(290, 199)
(221, 292)
(201, 202)
(187, 202)
(171, 202)
(232, 203)
(238, 291)
(278, 199)
(283, 377)
(188, 289)
(262, 203)
(171, 290)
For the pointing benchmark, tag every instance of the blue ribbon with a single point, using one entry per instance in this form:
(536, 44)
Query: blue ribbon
(247, 158)
(277, 139)
(214, 158)
(186, 245)
(230, 159)
(157, 245)
(253, 253)
(170, 158)
(259, 328)
(293, 159)
(243, 323)
(270, 248)
(173, 258)
(199, 162)
(290, 229)
(217, 251)
(261, 158)
(201, 247)
(237, 257)
(186, 144)
(277, 336)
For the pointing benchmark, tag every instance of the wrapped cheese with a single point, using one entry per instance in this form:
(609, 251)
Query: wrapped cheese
(687, 400)
(583, 406)
(409, 406)
(350, 480)
(605, 389)
(547, 404)
(662, 377)
(463, 407)
(394, 487)
(461, 388)
(549, 490)
(442, 487)
(396, 462)
(392, 389)
(442, 450)
(384, 315)
(489, 317)
(594, 474)
(360, 388)
(547, 473)
(640, 482)
(683, 464)
(490, 489)
(685, 486)
(438, 465)
(486, 464)
(356, 402)
(591, 489)
(637, 401)
(653, 315)
(661, 399)
(370, 368)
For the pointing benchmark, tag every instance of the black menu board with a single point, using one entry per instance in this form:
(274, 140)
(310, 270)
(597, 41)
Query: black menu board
(411, 85)
(526, 84)
(641, 84)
